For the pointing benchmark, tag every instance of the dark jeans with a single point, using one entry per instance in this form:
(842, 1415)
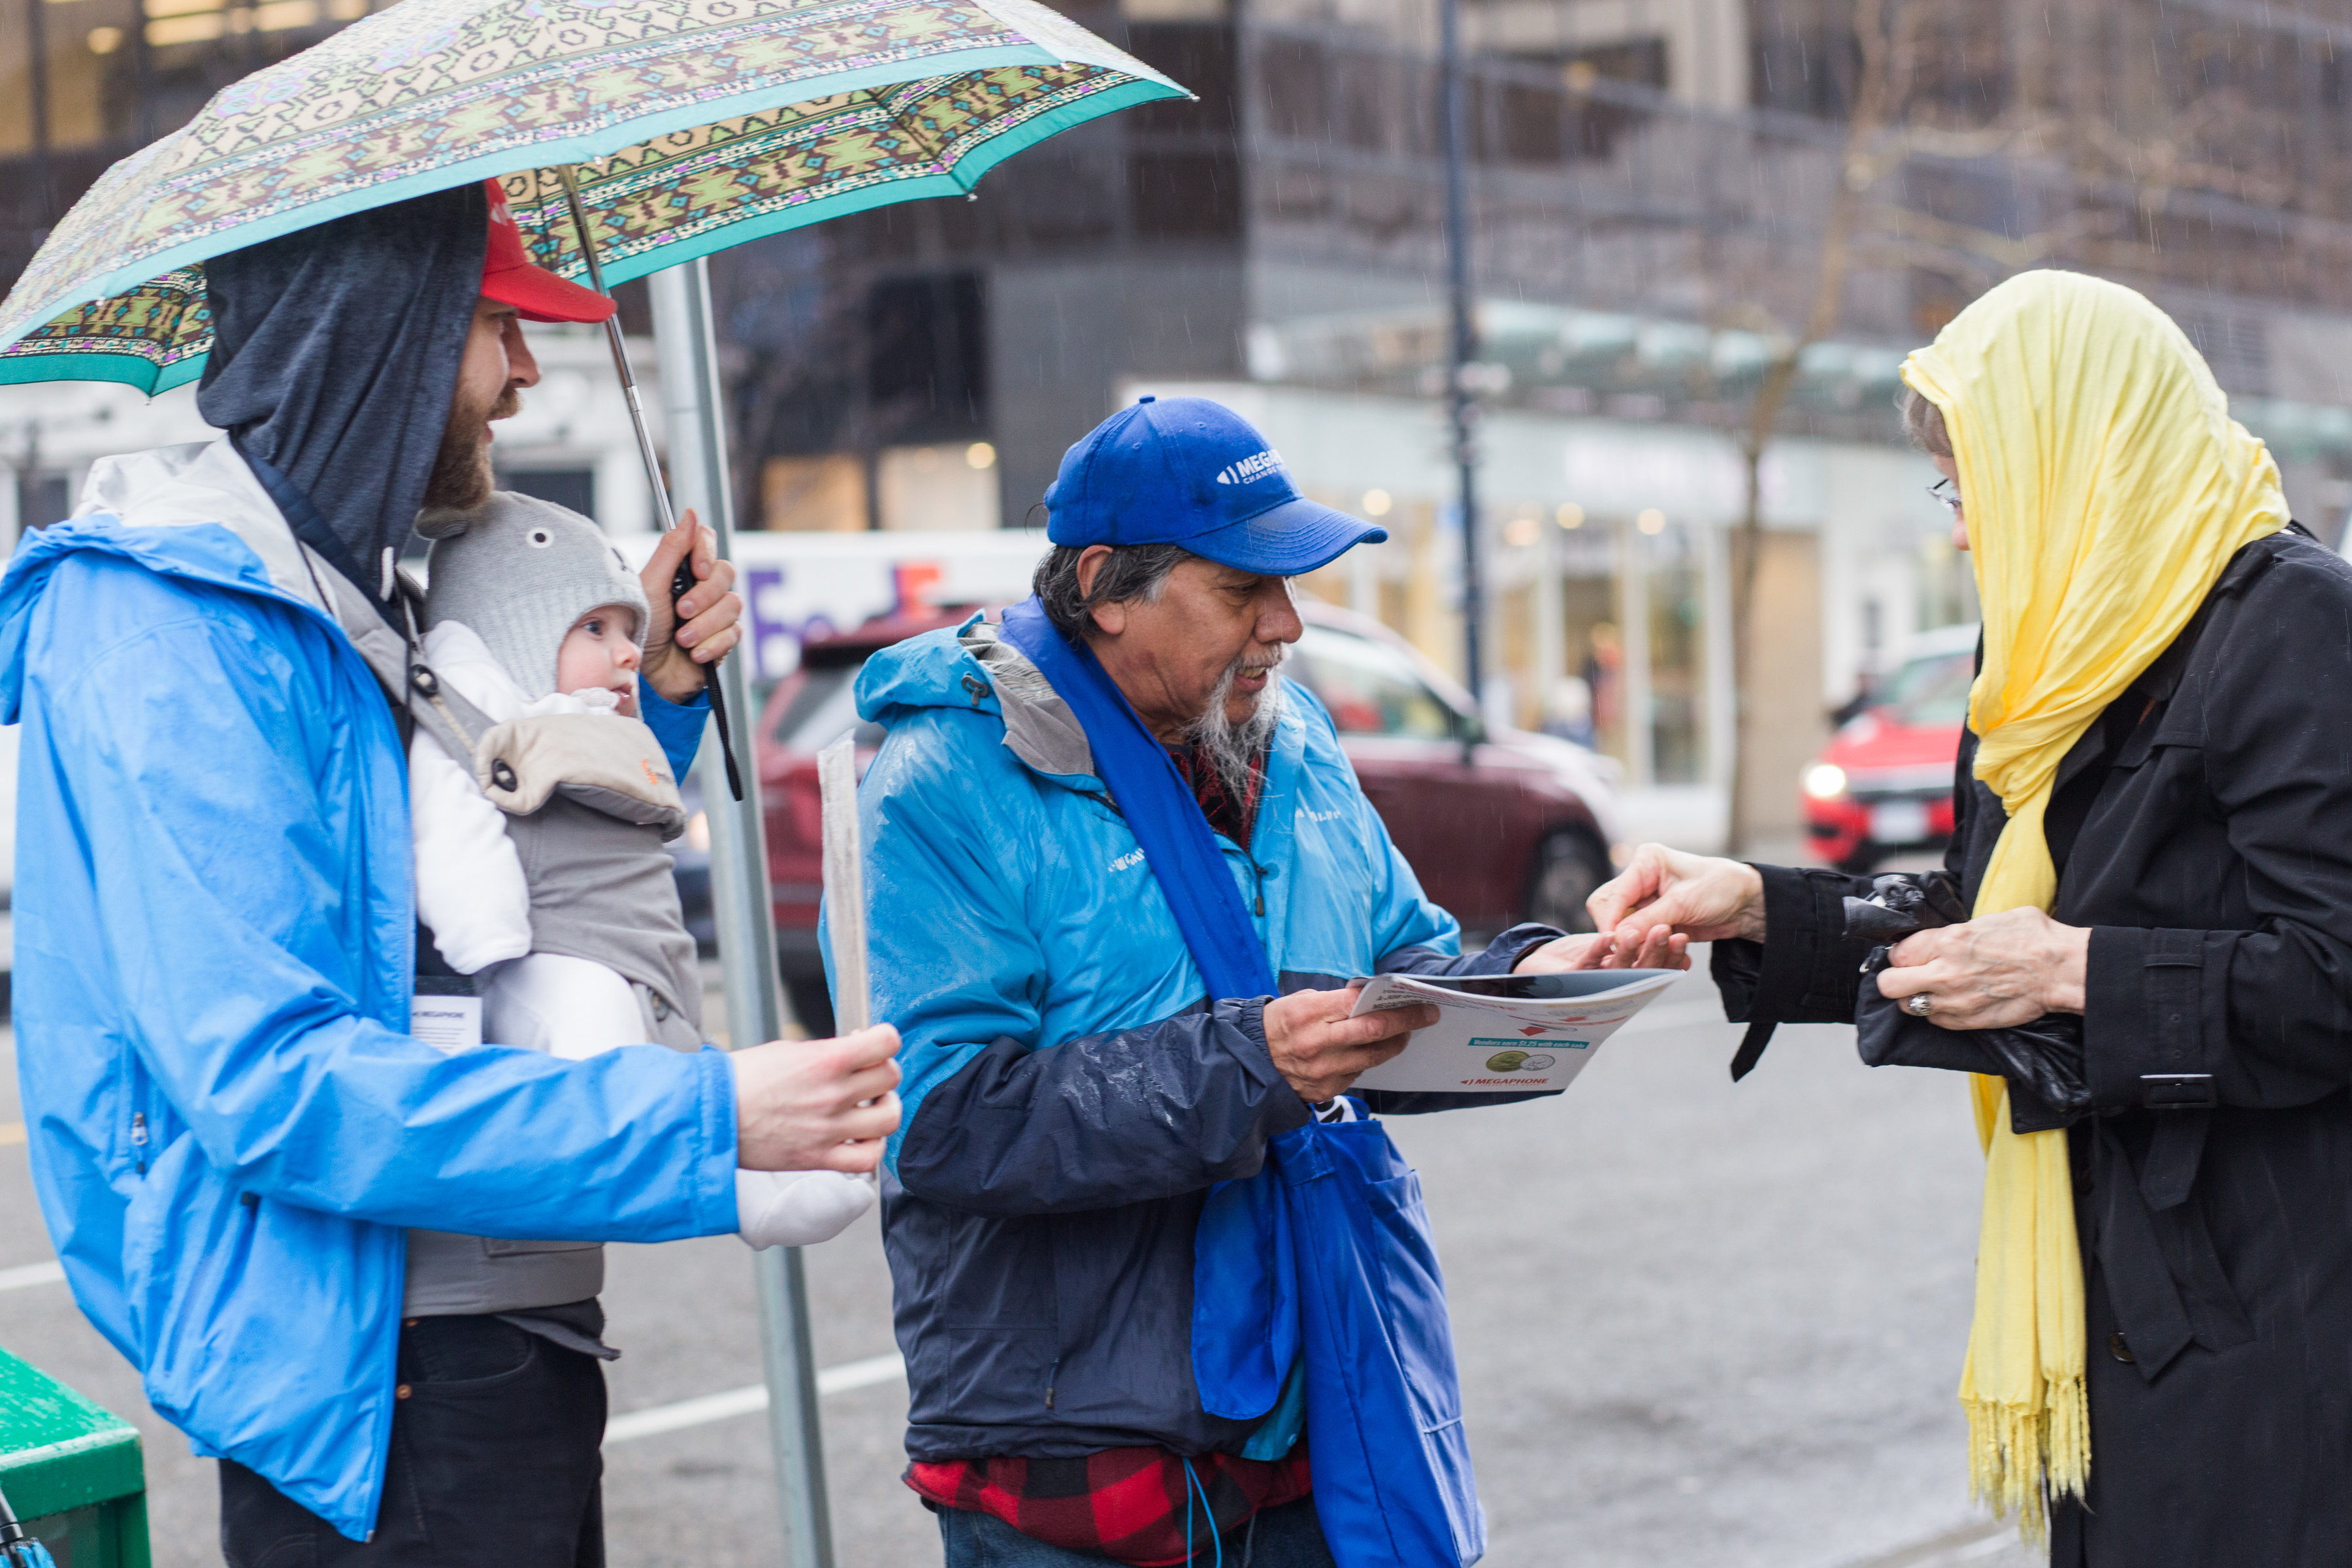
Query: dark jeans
(495, 1464)
(1285, 1537)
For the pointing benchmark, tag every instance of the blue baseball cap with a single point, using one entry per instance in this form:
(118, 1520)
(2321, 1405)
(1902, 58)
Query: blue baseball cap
(1193, 472)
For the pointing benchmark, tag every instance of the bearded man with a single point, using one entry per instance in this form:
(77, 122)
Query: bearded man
(234, 1132)
(1074, 1088)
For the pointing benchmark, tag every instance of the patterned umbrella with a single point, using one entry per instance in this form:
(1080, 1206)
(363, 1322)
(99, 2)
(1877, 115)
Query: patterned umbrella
(689, 125)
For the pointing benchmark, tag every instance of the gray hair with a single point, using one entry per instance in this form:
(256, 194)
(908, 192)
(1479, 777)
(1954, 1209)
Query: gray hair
(1923, 423)
(1132, 571)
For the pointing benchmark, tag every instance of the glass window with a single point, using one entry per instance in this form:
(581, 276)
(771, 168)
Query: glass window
(1933, 690)
(823, 711)
(1371, 687)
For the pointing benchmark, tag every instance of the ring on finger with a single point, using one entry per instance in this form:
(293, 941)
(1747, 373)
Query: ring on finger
(1920, 1005)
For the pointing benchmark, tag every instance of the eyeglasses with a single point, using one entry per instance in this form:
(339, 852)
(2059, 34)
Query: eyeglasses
(1944, 491)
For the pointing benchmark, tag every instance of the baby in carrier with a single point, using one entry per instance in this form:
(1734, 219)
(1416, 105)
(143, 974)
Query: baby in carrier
(542, 876)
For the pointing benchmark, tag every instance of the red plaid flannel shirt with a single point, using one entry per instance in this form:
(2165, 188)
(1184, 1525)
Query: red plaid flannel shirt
(1131, 1505)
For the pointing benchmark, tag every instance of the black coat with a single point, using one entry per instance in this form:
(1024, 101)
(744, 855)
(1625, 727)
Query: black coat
(2202, 829)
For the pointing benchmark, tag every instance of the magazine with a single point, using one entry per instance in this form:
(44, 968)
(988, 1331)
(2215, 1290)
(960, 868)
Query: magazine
(1506, 1031)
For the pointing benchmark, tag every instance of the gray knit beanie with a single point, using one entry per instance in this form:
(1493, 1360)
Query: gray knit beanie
(519, 571)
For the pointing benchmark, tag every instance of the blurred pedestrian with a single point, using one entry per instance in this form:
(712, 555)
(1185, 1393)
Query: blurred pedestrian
(214, 662)
(2155, 835)
(1568, 710)
(1076, 1085)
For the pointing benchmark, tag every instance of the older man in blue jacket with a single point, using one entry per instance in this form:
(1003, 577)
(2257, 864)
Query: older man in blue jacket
(232, 1129)
(1073, 1089)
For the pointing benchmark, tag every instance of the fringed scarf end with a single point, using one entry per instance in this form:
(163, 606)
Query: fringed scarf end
(2022, 1456)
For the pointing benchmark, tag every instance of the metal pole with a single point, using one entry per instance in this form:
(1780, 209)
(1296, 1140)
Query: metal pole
(1464, 349)
(739, 903)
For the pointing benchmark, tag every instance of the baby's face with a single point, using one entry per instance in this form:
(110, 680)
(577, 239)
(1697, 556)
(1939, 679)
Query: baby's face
(601, 652)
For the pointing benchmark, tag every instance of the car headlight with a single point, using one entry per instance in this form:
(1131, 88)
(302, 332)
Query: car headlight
(1825, 781)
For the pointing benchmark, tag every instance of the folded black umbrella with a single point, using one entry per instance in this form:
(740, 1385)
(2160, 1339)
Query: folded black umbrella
(2045, 1056)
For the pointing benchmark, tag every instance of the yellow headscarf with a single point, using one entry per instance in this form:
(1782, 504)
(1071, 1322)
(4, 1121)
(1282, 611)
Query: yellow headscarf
(2106, 488)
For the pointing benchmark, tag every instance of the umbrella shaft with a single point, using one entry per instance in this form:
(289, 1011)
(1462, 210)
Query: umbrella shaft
(620, 352)
(637, 422)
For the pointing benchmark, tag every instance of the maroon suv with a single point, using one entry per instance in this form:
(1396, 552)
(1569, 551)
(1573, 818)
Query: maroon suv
(1499, 826)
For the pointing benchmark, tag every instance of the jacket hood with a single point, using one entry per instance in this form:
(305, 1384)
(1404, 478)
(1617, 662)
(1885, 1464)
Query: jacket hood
(972, 669)
(192, 512)
(934, 671)
(335, 352)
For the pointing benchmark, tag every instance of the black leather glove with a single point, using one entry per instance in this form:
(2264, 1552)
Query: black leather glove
(2046, 1056)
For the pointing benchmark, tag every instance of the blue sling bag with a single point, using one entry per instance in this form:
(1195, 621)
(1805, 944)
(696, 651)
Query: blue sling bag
(1323, 1261)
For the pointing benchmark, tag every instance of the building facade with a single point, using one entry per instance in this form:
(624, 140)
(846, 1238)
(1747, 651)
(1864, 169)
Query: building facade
(1655, 190)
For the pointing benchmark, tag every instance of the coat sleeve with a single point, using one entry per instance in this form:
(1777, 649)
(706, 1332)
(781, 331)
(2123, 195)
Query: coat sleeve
(678, 727)
(2267, 1012)
(1805, 970)
(205, 760)
(1090, 1123)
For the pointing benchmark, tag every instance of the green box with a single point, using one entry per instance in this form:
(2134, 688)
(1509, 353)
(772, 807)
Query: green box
(72, 1471)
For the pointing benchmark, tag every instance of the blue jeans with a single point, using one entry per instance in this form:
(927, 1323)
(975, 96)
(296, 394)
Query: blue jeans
(1285, 1537)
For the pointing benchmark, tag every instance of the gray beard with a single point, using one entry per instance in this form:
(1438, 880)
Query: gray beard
(1231, 748)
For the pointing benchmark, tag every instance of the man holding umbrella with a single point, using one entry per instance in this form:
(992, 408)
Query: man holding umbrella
(215, 936)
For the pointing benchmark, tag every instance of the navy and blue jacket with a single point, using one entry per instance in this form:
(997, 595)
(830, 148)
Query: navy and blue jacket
(1070, 1093)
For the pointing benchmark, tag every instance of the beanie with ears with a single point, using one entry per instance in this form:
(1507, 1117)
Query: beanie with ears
(520, 572)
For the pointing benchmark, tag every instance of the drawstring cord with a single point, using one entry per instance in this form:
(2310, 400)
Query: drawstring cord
(1192, 1485)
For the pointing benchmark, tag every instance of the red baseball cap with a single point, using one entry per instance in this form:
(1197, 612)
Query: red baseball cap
(509, 276)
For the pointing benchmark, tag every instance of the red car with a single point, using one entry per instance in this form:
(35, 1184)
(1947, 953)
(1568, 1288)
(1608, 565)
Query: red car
(1883, 784)
(1500, 826)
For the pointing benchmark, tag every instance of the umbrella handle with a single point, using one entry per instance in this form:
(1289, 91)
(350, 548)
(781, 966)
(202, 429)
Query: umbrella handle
(678, 588)
(684, 581)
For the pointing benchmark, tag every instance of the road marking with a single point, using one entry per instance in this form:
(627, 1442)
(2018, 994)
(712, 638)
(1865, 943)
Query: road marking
(49, 1273)
(746, 1401)
(11, 1133)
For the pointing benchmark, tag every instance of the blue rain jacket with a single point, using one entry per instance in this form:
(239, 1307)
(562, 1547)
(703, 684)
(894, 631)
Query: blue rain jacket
(230, 1127)
(1071, 1093)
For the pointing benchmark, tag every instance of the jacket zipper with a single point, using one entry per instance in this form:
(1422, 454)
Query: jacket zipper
(139, 1138)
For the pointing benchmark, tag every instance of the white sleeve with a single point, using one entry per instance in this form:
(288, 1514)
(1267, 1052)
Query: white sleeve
(469, 884)
(797, 1208)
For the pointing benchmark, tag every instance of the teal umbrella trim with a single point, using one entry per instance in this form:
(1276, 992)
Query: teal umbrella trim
(967, 174)
(130, 369)
(579, 148)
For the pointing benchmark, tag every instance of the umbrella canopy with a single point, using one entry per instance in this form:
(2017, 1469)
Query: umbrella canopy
(690, 125)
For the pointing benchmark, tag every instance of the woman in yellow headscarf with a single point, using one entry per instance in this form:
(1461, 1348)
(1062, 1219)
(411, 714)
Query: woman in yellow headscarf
(2153, 831)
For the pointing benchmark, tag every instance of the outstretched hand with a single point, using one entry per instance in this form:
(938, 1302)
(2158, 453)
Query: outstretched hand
(674, 653)
(816, 1105)
(1321, 1050)
(1701, 898)
(1661, 948)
